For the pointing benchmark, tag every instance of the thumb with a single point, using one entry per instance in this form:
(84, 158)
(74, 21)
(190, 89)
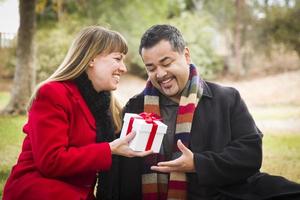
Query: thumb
(182, 147)
(129, 137)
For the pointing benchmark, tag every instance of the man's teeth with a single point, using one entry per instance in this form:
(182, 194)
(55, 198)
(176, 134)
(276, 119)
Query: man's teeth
(166, 81)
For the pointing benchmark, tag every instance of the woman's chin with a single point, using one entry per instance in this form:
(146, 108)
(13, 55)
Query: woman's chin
(114, 87)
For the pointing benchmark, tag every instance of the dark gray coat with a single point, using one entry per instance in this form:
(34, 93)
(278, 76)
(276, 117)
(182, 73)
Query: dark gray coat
(227, 149)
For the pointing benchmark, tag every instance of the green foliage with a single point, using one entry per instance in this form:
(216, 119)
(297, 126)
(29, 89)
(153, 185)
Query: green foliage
(286, 29)
(199, 32)
(8, 61)
(280, 25)
(52, 46)
(201, 21)
(171, 12)
(222, 11)
(45, 11)
(131, 18)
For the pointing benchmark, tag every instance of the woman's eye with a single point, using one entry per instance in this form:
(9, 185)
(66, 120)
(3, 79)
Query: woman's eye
(118, 58)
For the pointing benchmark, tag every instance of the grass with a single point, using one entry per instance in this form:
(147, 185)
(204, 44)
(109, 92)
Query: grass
(281, 155)
(10, 145)
(4, 97)
(276, 112)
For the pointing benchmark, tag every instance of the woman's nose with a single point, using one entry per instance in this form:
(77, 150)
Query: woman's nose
(123, 67)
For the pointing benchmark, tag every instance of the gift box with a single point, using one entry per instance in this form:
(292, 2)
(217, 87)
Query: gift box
(148, 128)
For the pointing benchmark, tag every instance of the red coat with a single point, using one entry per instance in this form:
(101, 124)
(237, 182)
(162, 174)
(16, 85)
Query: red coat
(59, 158)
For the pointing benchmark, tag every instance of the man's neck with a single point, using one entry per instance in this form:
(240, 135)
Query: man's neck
(175, 99)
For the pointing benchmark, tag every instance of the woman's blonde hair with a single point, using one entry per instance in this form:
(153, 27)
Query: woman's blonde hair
(90, 42)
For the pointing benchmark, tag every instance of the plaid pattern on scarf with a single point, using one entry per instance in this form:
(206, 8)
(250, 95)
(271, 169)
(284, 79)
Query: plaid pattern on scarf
(161, 185)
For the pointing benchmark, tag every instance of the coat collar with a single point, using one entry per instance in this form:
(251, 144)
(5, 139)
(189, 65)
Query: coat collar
(71, 86)
(206, 90)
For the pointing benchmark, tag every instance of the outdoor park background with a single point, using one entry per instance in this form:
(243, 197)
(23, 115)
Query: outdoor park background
(252, 45)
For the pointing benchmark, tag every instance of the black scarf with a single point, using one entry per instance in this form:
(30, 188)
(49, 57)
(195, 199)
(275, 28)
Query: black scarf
(98, 103)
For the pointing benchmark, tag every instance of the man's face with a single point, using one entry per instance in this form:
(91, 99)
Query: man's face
(167, 69)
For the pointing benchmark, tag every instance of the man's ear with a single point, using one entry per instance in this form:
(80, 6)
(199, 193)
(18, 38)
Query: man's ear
(187, 55)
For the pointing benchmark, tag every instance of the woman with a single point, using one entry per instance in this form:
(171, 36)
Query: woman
(72, 119)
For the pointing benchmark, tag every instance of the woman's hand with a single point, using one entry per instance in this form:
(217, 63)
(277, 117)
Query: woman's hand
(120, 147)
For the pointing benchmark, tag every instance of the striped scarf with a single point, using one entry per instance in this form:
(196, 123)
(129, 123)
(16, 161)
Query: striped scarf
(163, 186)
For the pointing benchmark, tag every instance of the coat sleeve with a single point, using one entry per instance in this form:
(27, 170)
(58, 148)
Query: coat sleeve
(240, 158)
(129, 184)
(49, 132)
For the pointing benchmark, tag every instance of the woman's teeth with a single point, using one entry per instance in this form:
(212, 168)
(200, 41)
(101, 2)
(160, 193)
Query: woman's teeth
(116, 77)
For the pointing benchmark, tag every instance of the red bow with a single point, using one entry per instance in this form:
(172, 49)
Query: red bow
(149, 117)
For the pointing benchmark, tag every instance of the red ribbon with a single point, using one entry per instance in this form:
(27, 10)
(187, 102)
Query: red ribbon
(149, 119)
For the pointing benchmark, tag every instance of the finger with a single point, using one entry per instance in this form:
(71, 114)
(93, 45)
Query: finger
(162, 169)
(182, 147)
(129, 136)
(172, 163)
(142, 153)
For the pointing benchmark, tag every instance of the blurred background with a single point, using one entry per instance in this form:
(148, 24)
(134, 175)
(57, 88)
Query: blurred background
(252, 45)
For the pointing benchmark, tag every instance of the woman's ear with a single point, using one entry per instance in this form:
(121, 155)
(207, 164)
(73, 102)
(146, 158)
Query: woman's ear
(92, 63)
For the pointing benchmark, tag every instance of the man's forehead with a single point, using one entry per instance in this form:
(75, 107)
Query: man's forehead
(158, 51)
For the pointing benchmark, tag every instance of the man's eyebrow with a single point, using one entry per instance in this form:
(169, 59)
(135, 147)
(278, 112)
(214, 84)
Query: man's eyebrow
(148, 64)
(160, 61)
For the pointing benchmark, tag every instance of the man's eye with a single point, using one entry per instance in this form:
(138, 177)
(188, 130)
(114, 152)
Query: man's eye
(166, 64)
(150, 69)
(118, 58)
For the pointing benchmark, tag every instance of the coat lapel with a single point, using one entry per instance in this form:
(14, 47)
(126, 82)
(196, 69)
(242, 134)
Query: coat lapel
(81, 103)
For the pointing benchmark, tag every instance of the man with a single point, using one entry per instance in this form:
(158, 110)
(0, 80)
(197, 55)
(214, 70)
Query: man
(212, 149)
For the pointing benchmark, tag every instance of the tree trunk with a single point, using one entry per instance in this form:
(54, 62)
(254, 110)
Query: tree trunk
(239, 70)
(60, 10)
(25, 75)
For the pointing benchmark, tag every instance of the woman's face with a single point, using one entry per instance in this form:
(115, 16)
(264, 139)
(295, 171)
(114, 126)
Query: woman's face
(105, 70)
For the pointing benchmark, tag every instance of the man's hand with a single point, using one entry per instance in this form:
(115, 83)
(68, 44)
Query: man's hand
(185, 163)
(120, 146)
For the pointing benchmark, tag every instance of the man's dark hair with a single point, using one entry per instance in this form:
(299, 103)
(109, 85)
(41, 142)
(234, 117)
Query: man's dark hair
(166, 32)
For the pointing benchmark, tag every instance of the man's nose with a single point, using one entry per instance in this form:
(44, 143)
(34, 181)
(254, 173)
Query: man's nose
(160, 72)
